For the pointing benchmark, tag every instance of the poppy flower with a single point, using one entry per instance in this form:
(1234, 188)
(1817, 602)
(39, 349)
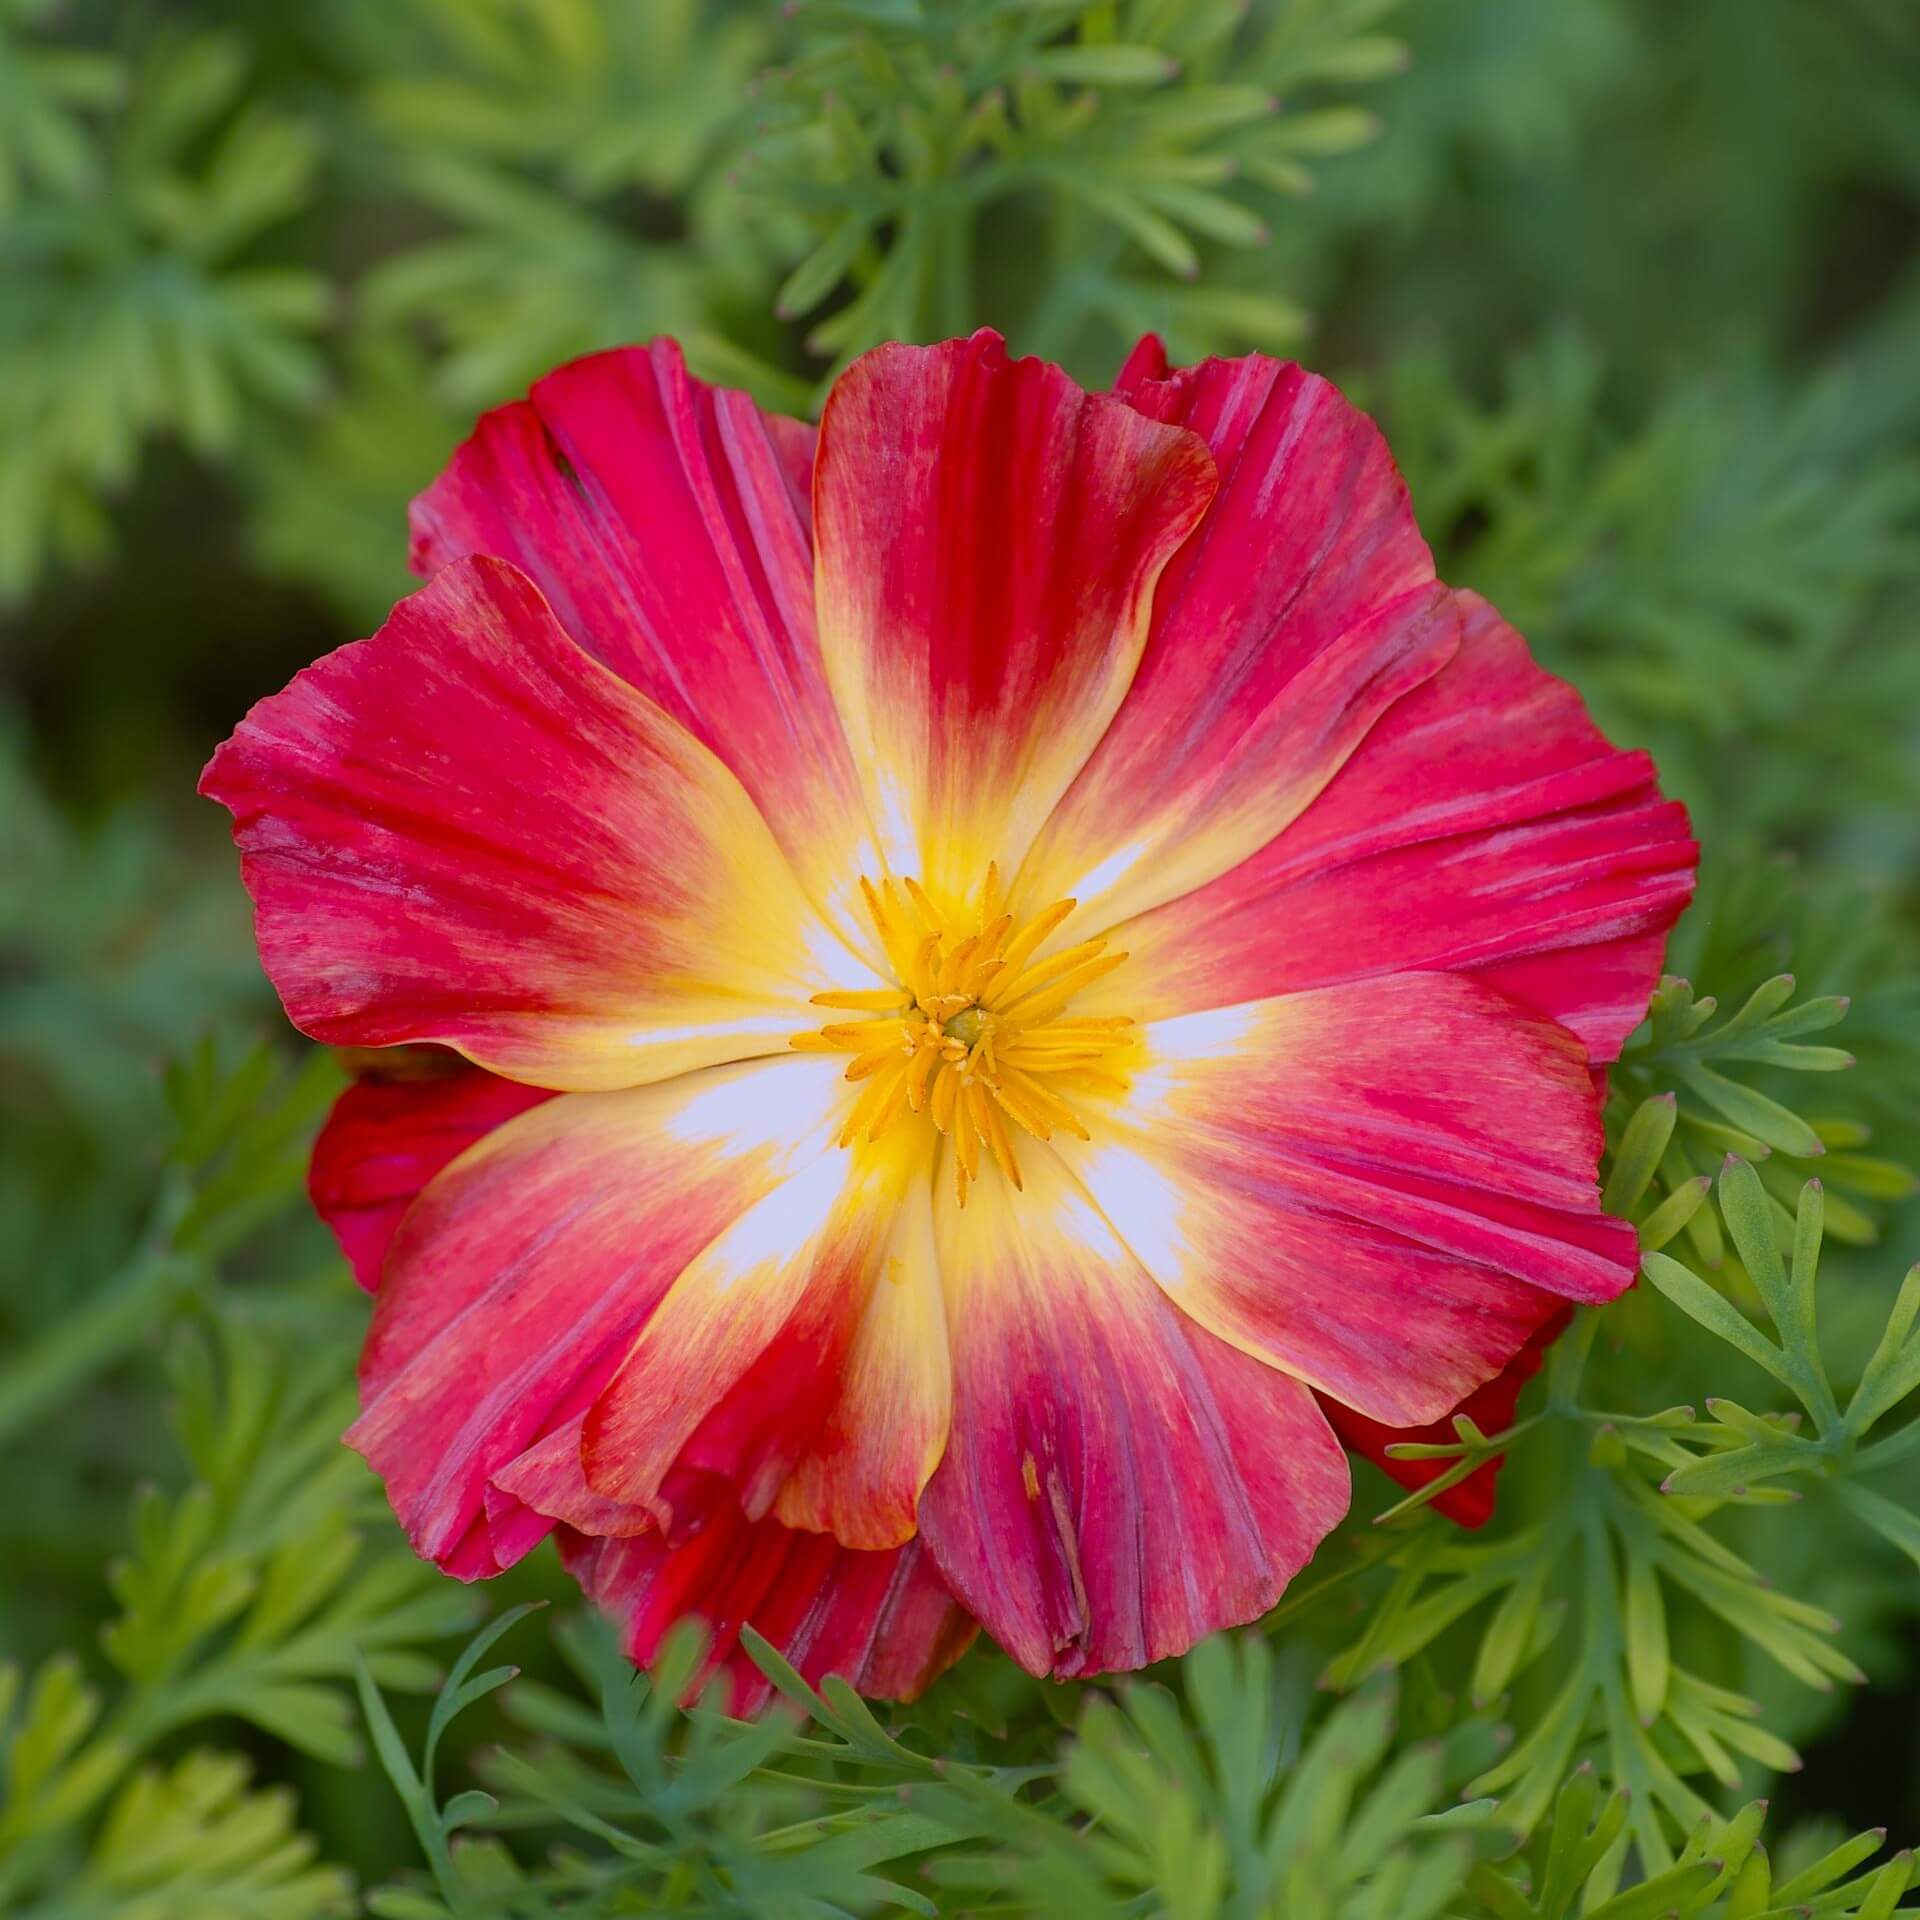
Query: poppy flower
(1014, 963)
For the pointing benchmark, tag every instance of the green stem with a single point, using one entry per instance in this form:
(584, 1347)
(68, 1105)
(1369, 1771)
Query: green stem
(90, 1339)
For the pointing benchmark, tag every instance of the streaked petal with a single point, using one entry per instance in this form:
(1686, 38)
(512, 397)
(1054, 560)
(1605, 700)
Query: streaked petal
(1301, 609)
(547, 1486)
(1490, 1408)
(521, 1276)
(883, 1621)
(668, 523)
(866, 1464)
(798, 1366)
(1484, 824)
(1118, 1481)
(467, 831)
(387, 1137)
(1385, 1188)
(988, 541)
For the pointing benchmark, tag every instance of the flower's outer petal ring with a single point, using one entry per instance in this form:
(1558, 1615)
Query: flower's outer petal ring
(520, 1277)
(668, 523)
(988, 538)
(1485, 824)
(1118, 1482)
(798, 1366)
(465, 830)
(387, 1137)
(1469, 1503)
(1384, 1188)
(1300, 610)
(884, 1622)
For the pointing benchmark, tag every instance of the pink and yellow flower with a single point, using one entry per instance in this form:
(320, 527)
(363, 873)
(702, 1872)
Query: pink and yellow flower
(1025, 968)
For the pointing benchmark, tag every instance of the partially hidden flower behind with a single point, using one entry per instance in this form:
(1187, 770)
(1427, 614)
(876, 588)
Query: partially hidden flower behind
(1024, 966)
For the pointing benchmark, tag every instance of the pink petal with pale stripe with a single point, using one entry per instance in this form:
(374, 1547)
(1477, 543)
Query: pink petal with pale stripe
(797, 1366)
(1301, 608)
(1384, 1188)
(1118, 1482)
(1484, 824)
(669, 524)
(521, 1277)
(988, 540)
(467, 831)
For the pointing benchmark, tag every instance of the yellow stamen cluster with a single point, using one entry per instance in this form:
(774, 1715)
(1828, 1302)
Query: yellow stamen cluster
(972, 1036)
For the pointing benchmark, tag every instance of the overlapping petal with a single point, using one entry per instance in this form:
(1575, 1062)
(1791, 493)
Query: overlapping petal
(885, 1622)
(988, 539)
(593, 810)
(1386, 1188)
(1485, 824)
(466, 830)
(798, 1366)
(521, 1277)
(388, 1136)
(1118, 1481)
(1302, 607)
(668, 523)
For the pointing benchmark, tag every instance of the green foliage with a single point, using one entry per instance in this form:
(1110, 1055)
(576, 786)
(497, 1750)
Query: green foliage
(563, 175)
(1633, 288)
(1575, 1867)
(685, 1812)
(44, 90)
(1206, 1791)
(191, 1842)
(525, 130)
(1598, 1578)
(1205, 1803)
(130, 309)
(1702, 575)
(1137, 134)
(251, 1594)
(238, 1157)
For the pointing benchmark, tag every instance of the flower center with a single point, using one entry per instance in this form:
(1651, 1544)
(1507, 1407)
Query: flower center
(974, 1033)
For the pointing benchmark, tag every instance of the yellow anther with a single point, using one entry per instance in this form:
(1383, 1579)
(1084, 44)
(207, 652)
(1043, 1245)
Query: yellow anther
(970, 1034)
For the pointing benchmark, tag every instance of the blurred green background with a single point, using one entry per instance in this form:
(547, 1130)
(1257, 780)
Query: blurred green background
(1634, 287)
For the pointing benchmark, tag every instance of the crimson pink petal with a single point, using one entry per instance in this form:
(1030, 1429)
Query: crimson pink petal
(1385, 1188)
(547, 1485)
(668, 523)
(988, 541)
(387, 1137)
(1118, 1482)
(521, 1276)
(798, 1365)
(1299, 611)
(467, 831)
(1147, 362)
(1485, 824)
(1490, 1408)
(883, 1621)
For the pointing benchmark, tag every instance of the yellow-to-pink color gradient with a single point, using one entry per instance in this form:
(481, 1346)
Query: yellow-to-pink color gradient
(981, 993)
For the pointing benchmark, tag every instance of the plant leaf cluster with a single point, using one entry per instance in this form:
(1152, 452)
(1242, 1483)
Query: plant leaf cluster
(1633, 290)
